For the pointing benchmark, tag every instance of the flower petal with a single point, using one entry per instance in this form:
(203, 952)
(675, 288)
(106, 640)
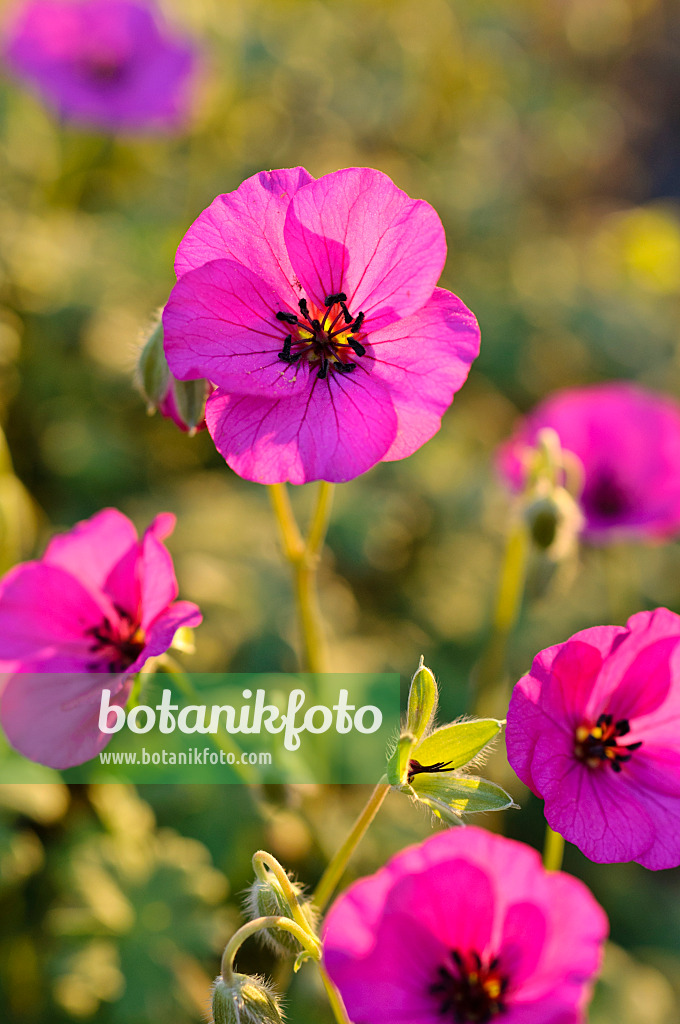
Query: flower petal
(220, 323)
(92, 548)
(247, 226)
(424, 359)
(45, 611)
(162, 631)
(342, 428)
(54, 718)
(354, 231)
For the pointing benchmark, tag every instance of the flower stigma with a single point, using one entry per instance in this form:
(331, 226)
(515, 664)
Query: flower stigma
(328, 343)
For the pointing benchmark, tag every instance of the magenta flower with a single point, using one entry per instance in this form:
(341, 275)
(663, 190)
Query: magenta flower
(594, 729)
(628, 441)
(465, 927)
(111, 64)
(98, 601)
(312, 305)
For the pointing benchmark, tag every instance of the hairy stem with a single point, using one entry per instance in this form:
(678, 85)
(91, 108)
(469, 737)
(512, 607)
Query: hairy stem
(303, 555)
(336, 867)
(553, 850)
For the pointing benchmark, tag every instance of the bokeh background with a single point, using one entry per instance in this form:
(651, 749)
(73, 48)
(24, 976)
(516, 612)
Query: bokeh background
(547, 135)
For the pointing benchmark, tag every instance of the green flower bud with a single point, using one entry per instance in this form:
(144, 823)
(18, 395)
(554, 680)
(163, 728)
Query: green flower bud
(244, 1000)
(554, 520)
(190, 397)
(266, 898)
(422, 701)
(153, 374)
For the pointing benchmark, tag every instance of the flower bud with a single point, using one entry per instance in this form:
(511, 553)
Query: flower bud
(244, 1000)
(185, 403)
(266, 898)
(554, 520)
(422, 701)
(153, 374)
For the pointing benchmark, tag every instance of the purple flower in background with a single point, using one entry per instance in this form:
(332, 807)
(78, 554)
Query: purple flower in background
(466, 927)
(628, 442)
(111, 64)
(99, 601)
(594, 729)
(312, 305)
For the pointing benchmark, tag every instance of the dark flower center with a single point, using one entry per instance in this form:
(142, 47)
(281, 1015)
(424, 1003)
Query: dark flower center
(103, 69)
(469, 991)
(607, 498)
(116, 645)
(416, 768)
(598, 744)
(330, 343)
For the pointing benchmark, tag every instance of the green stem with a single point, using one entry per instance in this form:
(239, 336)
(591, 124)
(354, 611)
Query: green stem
(263, 863)
(303, 556)
(336, 867)
(222, 741)
(334, 997)
(553, 850)
(306, 940)
(490, 674)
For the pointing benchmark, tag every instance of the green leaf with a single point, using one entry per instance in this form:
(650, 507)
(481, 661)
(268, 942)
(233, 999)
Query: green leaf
(457, 743)
(422, 701)
(397, 765)
(450, 796)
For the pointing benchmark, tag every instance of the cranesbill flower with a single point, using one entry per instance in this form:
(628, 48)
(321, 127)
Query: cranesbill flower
(465, 927)
(112, 64)
(312, 305)
(628, 442)
(594, 729)
(99, 601)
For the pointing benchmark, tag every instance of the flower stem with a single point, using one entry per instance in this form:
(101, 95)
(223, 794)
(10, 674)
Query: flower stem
(303, 555)
(508, 604)
(334, 997)
(169, 666)
(336, 866)
(306, 940)
(263, 863)
(553, 850)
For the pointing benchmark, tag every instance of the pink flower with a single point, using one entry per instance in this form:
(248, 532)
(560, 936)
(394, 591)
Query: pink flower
(628, 441)
(594, 729)
(98, 601)
(465, 927)
(107, 63)
(312, 305)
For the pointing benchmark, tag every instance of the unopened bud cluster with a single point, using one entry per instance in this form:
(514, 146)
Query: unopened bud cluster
(244, 1000)
(266, 898)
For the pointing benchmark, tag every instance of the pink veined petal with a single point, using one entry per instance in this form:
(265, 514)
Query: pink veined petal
(354, 231)
(335, 433)
(44, 610)
(598, 810)
(161, 633)
(424, 359)
(220, 323)
(247, 226)
(157, 579)
(54, 718)
(93, 547)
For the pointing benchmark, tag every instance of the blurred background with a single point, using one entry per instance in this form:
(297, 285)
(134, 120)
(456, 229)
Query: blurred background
(547, 135)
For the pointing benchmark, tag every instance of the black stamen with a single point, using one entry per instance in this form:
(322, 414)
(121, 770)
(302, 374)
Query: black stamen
(289, 318)
(616, 766)
(316, 325)
(285, 353)
(344, 367)
(356, 326)
(330, 300)
(346, 313)
(357, 346)
(323, 372)
(634, 746)
(304, 308)
(623, 726)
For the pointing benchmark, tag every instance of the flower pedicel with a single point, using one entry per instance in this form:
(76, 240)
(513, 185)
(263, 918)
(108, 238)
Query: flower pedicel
(312, 305)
